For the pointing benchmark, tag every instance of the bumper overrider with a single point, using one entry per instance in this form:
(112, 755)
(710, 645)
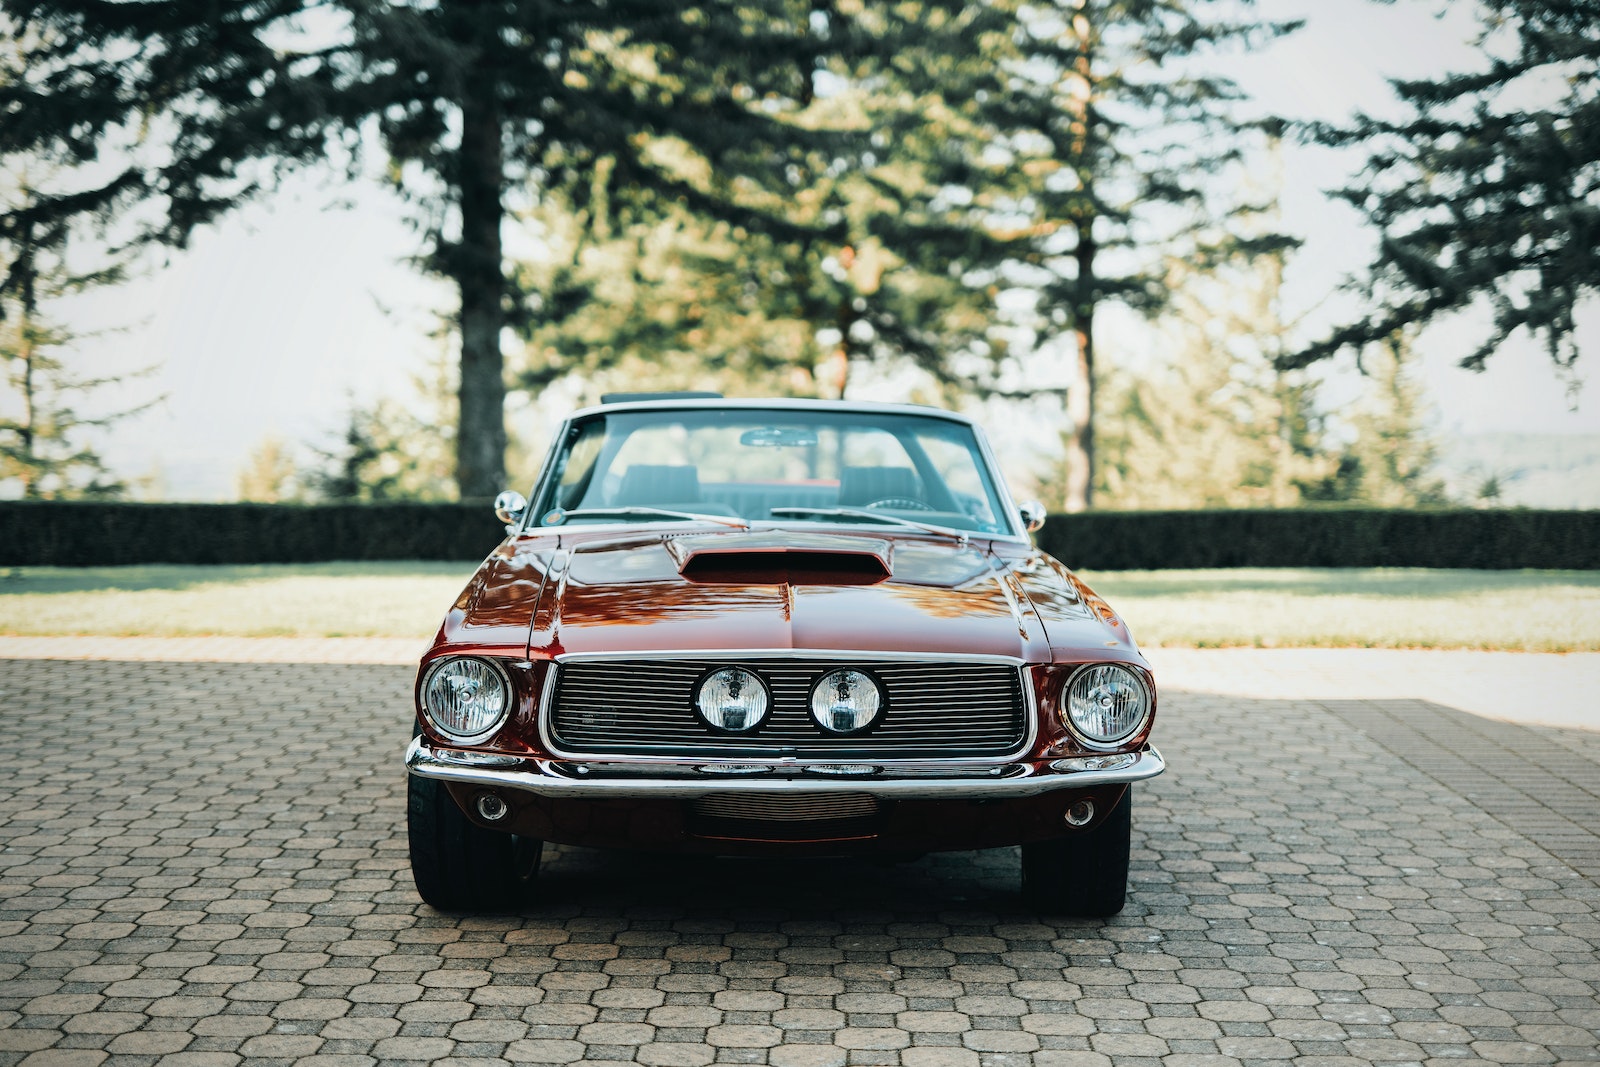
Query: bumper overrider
(599, 779)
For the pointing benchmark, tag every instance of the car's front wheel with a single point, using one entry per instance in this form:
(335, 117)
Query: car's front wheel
(1086, 875)
(460, 866)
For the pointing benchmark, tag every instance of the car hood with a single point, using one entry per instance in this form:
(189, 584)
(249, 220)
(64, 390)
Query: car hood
(779, 589)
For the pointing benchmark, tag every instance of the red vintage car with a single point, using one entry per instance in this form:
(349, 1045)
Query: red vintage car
(780, 627)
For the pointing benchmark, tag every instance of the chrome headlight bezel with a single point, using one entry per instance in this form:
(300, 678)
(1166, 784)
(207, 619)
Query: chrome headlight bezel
(428, 713)
(1063, 703)
(877, 716)
(761, 684)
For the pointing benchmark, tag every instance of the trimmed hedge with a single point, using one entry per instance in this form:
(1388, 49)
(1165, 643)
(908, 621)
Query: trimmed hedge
(82, 533)
(1318, 537)
(49, 533)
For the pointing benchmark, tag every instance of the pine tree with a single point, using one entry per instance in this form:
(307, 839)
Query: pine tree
(270, 474)
(176, 111)
(670, 302)
(363, 467)
(1213, 423)
(44, 419)
(1120, 135)
(393, 448)
(1395, 456)
(878, 253)
(1487, 191)
(912, 279)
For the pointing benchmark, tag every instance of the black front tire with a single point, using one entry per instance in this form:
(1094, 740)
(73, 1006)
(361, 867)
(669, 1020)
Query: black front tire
(460, 866)
(1085, 875)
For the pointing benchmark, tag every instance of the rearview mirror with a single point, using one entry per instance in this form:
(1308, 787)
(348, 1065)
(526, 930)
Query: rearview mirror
(779, 437)
(1032, 513)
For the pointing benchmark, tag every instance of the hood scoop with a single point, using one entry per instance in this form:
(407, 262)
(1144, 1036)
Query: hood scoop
(781, 557)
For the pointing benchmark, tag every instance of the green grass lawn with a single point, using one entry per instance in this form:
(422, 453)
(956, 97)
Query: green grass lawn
(1531, 611)
(1549, 611)
(302, 599)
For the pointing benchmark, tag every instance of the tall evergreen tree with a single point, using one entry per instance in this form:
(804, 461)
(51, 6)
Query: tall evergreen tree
(879, 252)
(675, 301)
(176, 111)
(1120, 129)
(1487, 189)
(393, 448)
(912, 278)
(46, 410)
(1393, 455)
(1213, 423)
(269, 474)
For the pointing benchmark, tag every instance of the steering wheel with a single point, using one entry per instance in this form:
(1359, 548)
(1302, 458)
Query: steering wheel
(899, 503)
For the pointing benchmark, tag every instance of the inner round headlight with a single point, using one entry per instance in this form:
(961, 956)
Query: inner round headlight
(1105, 703)
(732, 699)
(466, 699)
(846, 701)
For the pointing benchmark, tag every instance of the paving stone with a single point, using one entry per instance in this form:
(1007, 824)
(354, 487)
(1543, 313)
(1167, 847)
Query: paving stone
(31, 1040)
(1373, 881)
(544, 1050)
(744, 1036)
(871, 1037)
(675, 1054)
(940, 1056)
(64, 1057)
(281, 1046)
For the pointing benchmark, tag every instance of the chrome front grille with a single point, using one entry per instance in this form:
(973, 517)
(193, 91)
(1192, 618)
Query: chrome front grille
(935, 709)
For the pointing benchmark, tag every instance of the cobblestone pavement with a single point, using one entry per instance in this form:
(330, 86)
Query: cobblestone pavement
(205, 864)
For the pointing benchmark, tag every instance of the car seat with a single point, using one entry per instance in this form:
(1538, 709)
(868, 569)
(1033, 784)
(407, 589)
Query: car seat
(653, 484)
(859, 486)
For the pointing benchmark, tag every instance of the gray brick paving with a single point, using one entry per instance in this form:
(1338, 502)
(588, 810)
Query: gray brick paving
(205, 864)
(1537, 780)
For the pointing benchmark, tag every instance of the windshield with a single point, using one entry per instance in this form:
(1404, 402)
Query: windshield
(771, 465)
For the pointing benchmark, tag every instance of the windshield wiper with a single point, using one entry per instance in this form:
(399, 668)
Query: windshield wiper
(558, 516)
(876, 516)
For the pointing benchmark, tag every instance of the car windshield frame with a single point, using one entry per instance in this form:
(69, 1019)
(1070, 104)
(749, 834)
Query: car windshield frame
(895, 421)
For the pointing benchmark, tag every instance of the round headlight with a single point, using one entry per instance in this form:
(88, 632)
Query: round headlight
(846, 701)
(732, 699)
(1105, 703)
(466, 699)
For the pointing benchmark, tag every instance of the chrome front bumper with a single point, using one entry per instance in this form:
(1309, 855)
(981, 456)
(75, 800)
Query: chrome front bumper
(683, 779)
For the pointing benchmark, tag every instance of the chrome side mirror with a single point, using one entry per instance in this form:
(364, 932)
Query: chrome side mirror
(509, 507)
(1032, 513)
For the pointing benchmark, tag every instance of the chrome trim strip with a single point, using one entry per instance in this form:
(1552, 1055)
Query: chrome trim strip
(676, 526)
(1030, 702)
(565, 779)
(740, 403)
(546, 470)
(1019, 533)
(732, 654)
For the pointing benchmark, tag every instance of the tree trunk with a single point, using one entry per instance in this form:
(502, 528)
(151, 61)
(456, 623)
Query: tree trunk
(479, 273)
(1080, 387)
(25, 431)
(26, 349)
(1080, 441)
(843, 321)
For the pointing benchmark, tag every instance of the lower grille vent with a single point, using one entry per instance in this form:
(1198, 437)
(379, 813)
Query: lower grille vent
(793, 807)
(795, 817)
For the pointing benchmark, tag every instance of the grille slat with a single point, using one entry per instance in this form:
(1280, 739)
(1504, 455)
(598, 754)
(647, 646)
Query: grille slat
(646, 707)
(797, 807)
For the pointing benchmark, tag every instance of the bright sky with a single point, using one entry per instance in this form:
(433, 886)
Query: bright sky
(273, 321)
